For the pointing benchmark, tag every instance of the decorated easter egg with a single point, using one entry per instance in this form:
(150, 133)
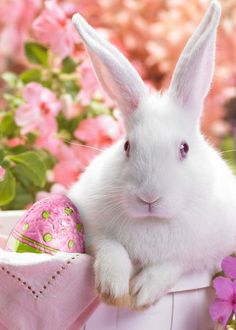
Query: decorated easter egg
(49, 226)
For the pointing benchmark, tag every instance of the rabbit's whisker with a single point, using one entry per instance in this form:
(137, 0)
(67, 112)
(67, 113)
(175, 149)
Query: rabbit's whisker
(83, 145)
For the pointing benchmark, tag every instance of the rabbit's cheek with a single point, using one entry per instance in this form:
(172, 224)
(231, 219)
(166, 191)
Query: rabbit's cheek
(170, 206)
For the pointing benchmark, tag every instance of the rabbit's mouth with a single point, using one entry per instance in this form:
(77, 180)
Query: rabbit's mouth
(160, 208)
(141, 208)
(156, 214)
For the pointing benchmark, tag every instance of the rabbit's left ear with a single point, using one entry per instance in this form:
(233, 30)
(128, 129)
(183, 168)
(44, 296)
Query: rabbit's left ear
(193, 73)
(115, 73)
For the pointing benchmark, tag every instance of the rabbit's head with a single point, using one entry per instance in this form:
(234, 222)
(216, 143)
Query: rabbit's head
(164, 155)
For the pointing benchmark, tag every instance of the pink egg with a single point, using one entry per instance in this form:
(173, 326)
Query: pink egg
(49, 226)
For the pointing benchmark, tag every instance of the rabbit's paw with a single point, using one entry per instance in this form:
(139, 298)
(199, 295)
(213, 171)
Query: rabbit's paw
(112, 286)
(148, 286)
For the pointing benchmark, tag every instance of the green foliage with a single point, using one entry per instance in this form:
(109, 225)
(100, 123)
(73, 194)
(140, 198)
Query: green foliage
(31, 75)
(31, 166)
(2, 154)
(68, 126)
(68, 65)
(25, 176)
(22, 198)
(48, 159)
(31, 138)
(231, 324)
(228, 148)
(36, 53)
(7, 188)
(97, 108)
(70, 87)
(7, 125)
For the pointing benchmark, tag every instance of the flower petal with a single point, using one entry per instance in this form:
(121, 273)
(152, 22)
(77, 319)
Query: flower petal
(220, 311)
(32, 93)
(27, 118)
(53, 28)
(229, 266)
(223, 287)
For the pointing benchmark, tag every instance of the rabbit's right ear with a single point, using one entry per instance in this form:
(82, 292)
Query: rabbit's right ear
(115, 73)
(193, 73)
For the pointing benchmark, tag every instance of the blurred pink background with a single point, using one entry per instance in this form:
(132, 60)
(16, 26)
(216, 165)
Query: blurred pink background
(150, 33)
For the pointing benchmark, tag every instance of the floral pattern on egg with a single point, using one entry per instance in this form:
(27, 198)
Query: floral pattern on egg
(50, 225)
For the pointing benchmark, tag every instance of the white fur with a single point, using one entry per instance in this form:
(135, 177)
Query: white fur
(192, 225)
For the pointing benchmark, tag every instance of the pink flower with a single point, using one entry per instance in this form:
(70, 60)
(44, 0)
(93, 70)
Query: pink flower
(89, 83)
(67, 169)
(50, 143)
(99, 131)
(69, 108)
(2, 173)
(39, 111)
(55, 30)
(225, 287)
(229, 266)
(55, 189)
(84, 154)
(66, 172)
(14, 142)
(58, 188)
(225, 303)
(90, 86)
(16, 16)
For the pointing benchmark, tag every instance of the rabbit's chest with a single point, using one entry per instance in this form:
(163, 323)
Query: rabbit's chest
(149, 245)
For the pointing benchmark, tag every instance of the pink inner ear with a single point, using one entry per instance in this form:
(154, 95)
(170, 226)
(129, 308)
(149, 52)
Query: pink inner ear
(115, 73)
(194, 71)
(116, 86)
(193, 82)
(121, 86)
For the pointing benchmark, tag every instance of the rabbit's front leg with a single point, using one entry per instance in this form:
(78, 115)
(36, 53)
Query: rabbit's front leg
(113, 270)
(151, 283)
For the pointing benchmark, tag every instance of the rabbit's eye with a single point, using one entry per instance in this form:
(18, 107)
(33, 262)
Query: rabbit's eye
(127, 148)
(183, 150)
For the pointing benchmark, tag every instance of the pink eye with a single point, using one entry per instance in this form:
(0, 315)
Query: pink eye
(183, 149)
(127, 148)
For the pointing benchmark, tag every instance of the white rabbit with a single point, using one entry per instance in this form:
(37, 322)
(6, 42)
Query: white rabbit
(160, 202)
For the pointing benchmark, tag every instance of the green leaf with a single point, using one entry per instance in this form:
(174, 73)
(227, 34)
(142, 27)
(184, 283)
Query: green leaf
(47, 84)
(31, 75)
(68, 65)
(16, 150)
(7, 188)
(97, 108)
(5, 163)
(31, 166)
(2, 154)
(228, 151)
(48, 159)
(31, 138)
(19, 173)
(7, 125)
(70, 87)
(22, 198)
(68, 126)
(36, 53)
